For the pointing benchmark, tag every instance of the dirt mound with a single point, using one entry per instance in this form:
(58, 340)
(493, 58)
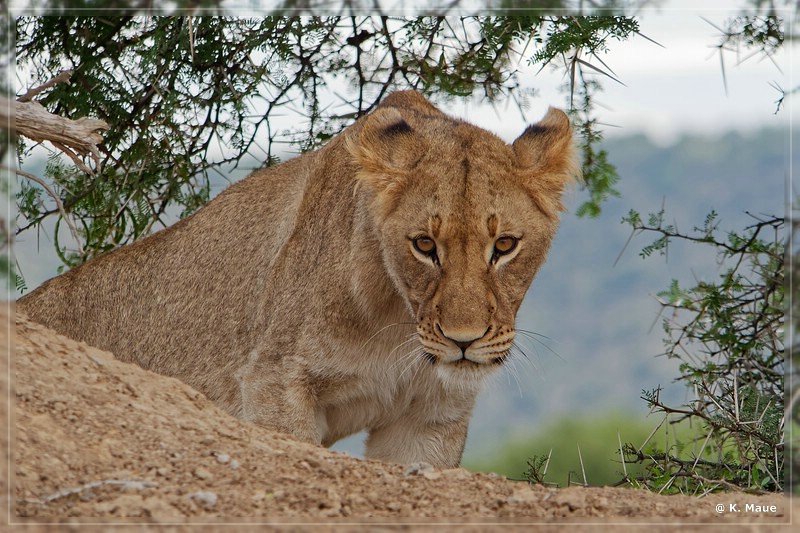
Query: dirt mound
(98, 440)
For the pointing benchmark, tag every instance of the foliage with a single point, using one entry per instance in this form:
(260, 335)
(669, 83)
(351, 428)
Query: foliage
(188, 97)
(571, 39)
(596, 168)
(757, 32)
(7, 270)
(556, 442)
(793, 389)
(537, 469)
(7, 267)
(728, 337)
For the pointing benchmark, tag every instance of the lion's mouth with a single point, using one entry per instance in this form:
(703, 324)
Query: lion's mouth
(464, 362)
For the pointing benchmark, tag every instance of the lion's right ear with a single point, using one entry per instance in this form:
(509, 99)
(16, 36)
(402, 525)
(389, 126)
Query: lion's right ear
(384, 149)
(547, 160)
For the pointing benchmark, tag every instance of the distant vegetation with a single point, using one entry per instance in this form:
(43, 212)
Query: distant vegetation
(560, 439)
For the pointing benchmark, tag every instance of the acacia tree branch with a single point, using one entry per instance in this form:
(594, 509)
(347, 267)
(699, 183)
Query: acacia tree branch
(61, 78)
(72, 137)
(57, 199)
(32, 120)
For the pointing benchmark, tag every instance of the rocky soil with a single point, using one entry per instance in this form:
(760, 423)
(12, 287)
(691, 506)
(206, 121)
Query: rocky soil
(95, 440)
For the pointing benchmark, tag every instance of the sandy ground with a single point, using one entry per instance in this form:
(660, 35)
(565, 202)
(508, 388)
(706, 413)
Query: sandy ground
(96, 441)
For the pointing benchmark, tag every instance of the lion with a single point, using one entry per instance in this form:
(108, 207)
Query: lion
(370, 285)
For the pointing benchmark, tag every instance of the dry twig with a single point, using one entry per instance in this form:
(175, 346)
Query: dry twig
(73, 137)
(124, 483)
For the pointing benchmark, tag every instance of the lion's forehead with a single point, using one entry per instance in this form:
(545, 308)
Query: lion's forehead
(465, 187)
(471, 199)
(465, 179)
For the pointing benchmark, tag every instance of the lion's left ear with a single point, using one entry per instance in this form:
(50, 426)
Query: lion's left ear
(546, 160)
(384, 149)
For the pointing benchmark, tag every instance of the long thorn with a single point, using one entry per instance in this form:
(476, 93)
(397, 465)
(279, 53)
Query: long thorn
(583, 472)
(622, 456)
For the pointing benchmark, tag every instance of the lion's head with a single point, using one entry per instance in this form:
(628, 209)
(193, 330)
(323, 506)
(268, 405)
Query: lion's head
(465, 221)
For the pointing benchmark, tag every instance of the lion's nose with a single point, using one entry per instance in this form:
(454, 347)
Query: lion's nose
(462, 339)
(464, 344)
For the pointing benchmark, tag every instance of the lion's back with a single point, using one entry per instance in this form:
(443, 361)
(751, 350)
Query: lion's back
(175, 300)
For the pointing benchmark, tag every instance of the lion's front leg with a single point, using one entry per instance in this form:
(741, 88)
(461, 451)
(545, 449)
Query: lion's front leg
(408, 440)
(286, 405)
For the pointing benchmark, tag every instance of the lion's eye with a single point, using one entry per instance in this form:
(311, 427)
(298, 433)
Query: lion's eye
(425, 246)
(505, 245)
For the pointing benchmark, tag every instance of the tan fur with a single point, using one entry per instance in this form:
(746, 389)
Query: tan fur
(296, 299)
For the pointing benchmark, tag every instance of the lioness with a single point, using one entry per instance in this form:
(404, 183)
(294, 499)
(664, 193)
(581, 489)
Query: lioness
(372, 284)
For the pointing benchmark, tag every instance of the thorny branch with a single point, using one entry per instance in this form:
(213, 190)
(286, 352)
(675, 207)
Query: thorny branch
(59, 205)
(728, 337)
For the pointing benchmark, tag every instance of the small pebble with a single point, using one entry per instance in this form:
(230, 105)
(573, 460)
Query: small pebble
(223, 458)
(394, 506)
(201, 473)
(418, 469)
(207, 499)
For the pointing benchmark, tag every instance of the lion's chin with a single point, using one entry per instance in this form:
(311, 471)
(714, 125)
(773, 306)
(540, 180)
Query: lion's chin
(465, 375)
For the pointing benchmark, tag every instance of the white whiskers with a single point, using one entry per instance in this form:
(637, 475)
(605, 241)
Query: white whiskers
(514, 371)
(384, 328)
(537, 337)
(416, 359)
(411, 338)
